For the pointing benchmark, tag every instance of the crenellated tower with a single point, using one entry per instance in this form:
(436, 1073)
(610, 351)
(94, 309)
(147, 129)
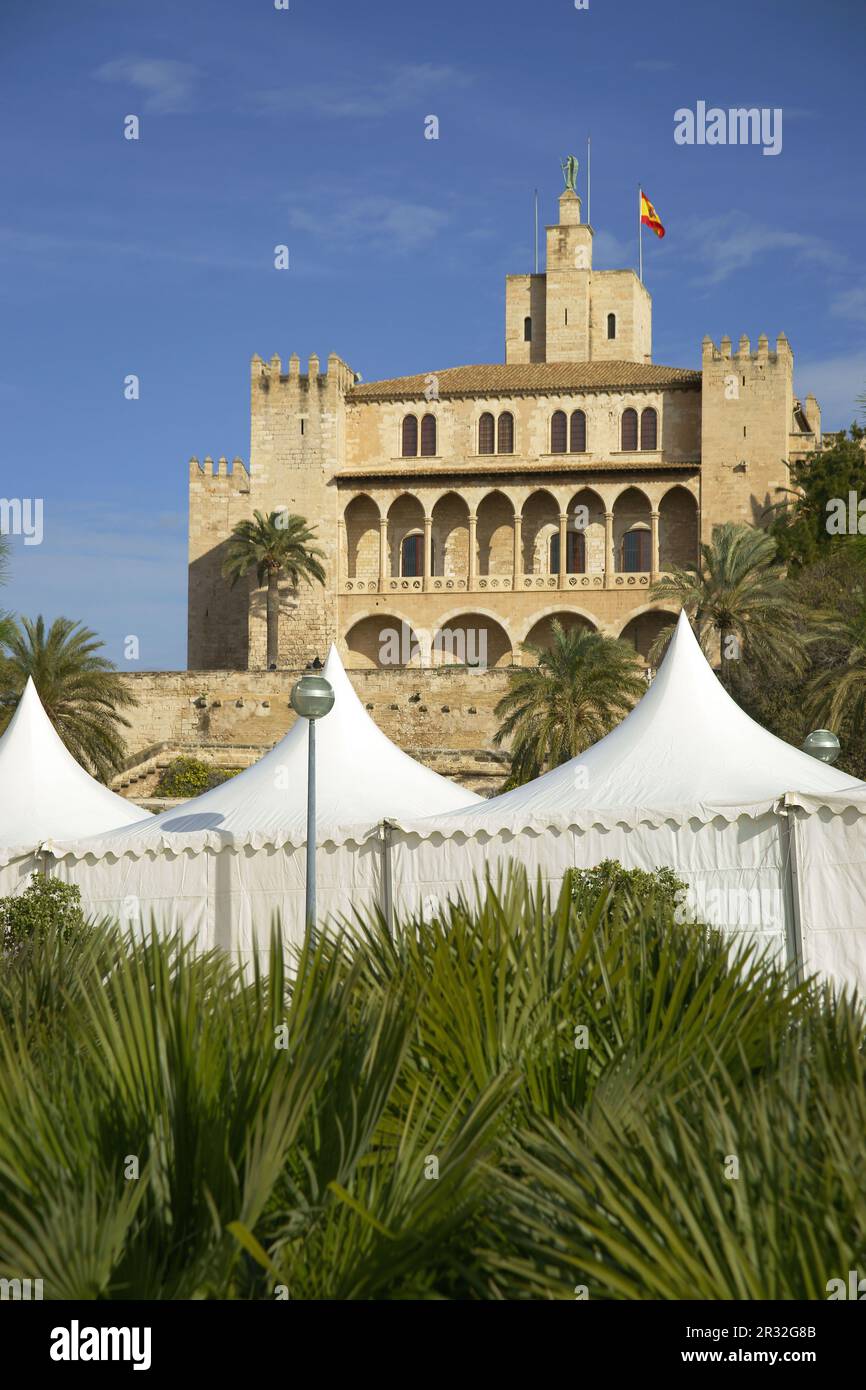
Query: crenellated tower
(747, 417)
(297, 442)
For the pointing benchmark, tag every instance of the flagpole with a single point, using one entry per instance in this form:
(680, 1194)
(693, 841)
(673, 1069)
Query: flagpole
(536, 231)
(639, 234)
(588, 178)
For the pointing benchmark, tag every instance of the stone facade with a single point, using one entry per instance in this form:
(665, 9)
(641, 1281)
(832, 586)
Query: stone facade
(464, 509)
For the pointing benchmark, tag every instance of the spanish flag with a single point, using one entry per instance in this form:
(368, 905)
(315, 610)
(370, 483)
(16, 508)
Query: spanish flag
(648, 215)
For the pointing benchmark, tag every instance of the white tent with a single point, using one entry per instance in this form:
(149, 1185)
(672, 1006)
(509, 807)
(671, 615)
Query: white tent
(221, 865)
(686, 780)
(44, 792)
(829, 834)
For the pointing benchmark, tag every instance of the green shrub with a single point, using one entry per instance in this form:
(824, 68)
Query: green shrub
(186, 777)
(580, 1078)
(45, 905)
(627, 888)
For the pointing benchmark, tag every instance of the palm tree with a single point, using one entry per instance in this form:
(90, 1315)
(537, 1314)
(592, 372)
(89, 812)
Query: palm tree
(738, 597)
(5, 619)
(579, 689)
(275, 545)
(836, 693)
(80, 692)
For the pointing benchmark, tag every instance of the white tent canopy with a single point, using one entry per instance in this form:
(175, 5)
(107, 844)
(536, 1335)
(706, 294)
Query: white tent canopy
(222, 864)
(361, 778)
(687, 750)
(45, 793)
(686, 780)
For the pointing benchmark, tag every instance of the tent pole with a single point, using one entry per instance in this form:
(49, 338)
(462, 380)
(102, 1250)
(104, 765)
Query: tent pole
(793, 930)
(387, 880)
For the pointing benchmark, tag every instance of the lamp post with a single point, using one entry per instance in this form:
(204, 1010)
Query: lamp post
(822, 744)
(312, 698)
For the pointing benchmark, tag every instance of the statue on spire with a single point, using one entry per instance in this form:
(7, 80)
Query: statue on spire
(569, 168)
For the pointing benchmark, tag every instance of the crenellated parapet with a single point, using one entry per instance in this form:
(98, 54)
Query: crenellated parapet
(219, 475)
(724, 352)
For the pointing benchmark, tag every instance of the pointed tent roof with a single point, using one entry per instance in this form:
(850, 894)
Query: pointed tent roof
(361, 778)
(43, 791)
(687, 750)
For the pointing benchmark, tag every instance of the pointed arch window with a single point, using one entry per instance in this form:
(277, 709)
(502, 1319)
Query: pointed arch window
(409, 438)
(611, 326)
(428, 436)
(558, 432)
(527, 329)
(505, 433)
(629, 430)
(486, 434)
(649, 428)
(577, 440)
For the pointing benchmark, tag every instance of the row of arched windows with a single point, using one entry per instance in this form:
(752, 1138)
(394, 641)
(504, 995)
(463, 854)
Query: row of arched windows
(634, 553)
(496, 436)
(409, 438)
(649, 429)
(567, 435)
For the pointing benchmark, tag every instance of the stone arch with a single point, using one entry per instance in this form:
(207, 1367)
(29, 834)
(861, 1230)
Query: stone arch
(405, 517)
(381, 641)
(540, 515)
(361, 518)
(591, 522)
(643, 625)
(540, 629)
(495, 533)
(678, 528)
(474, 638)
(631, 513)
(451, 536)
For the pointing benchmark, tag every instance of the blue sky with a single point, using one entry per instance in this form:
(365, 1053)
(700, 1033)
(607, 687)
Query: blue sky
(306, 127)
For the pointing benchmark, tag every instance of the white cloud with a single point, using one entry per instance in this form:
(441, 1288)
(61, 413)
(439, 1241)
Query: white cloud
(166, 85)
(850, 304)
(357, 100)
(836, 382)
(732, 243)
(373, 220)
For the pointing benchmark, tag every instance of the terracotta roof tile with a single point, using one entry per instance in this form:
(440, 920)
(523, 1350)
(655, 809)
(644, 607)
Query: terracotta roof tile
(530, 378)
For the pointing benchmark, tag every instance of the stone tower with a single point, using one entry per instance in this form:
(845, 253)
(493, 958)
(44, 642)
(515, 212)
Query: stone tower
(572, 313)
(747, 429)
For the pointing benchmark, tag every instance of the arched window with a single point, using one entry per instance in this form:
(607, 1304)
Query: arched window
(575, 553)
(505, 433)
(611, 325)
(629, 430)
(636, 551)
(648, 428)
(527, 330)
(578, 432)
(428, 435)
(486, 434)
(410, 436)
(558, 432)
(412, 556)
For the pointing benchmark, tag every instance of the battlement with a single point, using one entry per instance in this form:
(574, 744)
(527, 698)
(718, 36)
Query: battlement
(267, 376)
(724, 353)
(220, 475)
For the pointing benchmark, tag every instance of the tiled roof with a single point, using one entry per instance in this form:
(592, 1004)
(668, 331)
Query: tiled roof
(419, 469)
(529, 378)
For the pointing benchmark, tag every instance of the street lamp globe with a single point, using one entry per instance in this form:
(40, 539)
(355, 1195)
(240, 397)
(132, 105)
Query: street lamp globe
(822, 744)
(312, 697)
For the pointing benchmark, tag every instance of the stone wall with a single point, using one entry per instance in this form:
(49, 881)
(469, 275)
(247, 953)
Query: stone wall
(442, 717)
